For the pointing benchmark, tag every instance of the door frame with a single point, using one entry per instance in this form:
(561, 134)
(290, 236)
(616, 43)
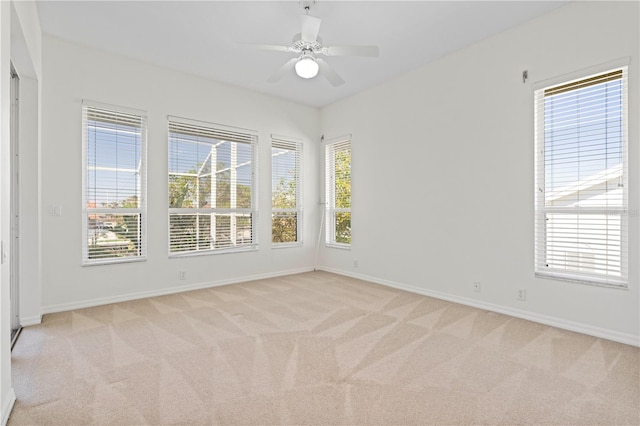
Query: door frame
(14, 244)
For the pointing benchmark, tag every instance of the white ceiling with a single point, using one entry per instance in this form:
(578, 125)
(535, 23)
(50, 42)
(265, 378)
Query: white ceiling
(206, 38)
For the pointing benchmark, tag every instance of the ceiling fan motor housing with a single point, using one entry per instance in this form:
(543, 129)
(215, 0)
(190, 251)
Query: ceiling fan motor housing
(302, 45)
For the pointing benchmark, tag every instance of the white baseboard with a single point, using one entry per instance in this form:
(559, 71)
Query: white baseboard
(32, 320)
(61, 307)
(7, 406)
(564, 324)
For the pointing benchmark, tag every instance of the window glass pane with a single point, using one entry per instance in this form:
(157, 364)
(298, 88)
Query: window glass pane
(343, 179)
(286, 191)
(223, 186)
(113, 163)
(338, 193)
(284, 227)
(111, 188)
(584, 243)
(233, 230)
(204, 231)
(244, 227)
(343, 227)
(113, 235)
(223, 231)
(243, 186)
(182, 191)
(284, 180)
(584, 144)
(183, 232)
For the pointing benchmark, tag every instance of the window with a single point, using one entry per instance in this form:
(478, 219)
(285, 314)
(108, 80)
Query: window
(211, 187)
(114, 214)
(581, 179)
(338, 192)
(286, 191)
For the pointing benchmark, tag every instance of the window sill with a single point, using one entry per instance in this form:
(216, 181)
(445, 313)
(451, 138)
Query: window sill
(285, 245)
(213, 252)
(113, 261)
(613, 284)
(338, 246)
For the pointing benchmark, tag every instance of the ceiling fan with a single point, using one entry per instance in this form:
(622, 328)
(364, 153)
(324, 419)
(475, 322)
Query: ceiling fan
(308, 47)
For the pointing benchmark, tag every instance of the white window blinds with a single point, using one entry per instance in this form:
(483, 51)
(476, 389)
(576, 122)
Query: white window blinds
(286, 190)
(212, 188)
(338, 192)
(114, 186)
(581, 180)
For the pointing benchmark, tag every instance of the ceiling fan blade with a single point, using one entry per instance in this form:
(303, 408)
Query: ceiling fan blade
(366, 51)
(329, 73)
(310, 28)
(273, 47)
(288, 66)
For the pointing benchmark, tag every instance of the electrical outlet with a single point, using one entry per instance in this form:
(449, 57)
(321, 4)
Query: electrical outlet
(477, 287)
(355, 263)
(522, 294)
(183, 275)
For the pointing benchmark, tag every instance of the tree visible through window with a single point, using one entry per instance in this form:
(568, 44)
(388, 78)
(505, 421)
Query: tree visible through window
(338, 192)
(286, 192)
(581, 179)
(211, 188)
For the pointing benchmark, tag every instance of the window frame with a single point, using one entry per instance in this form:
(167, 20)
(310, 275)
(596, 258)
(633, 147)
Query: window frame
(234, 133)
(294, 145)
(331, 148)
(115, 110)
(541, 211)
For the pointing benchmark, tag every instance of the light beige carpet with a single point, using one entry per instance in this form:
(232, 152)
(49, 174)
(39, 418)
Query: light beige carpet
(315, 348)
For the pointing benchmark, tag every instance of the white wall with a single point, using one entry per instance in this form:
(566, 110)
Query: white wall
(72, 73)
(29, 203)
(443, 172)
(7, 396)
(20, 38)
(26, 38)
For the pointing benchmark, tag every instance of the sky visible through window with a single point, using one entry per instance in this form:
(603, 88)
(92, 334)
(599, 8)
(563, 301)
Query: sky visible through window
(188, 153)
(113, 160)
(583, 134)
(283, 159)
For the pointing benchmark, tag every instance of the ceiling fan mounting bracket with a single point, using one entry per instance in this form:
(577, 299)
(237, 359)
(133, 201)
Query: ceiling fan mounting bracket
(306, 4)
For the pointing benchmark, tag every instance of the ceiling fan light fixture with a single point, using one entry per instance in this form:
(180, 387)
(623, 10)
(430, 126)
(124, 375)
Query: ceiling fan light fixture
(307, 67)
